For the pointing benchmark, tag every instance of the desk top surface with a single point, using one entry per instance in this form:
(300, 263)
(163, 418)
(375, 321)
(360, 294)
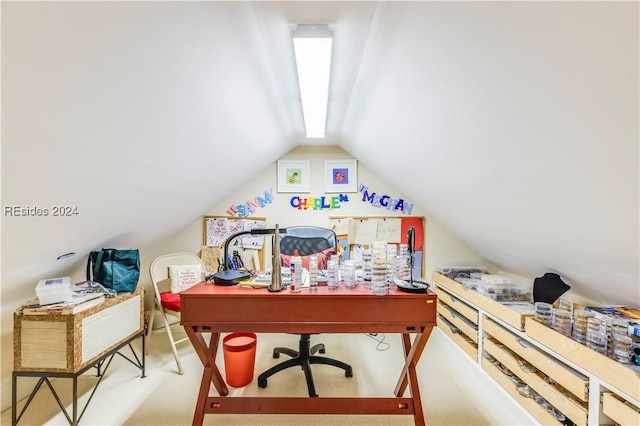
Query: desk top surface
(314, 310)
(207, 289)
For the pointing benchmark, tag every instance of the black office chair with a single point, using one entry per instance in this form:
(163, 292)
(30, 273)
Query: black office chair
(307, 240)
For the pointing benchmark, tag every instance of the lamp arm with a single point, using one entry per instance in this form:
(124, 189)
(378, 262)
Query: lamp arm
(252, 232)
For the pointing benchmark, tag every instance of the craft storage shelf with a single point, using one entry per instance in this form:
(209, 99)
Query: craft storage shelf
(588, 388)
(459, 321)
(481, 303)
(554, 394)
(565, 376)
(536, 410)
(607, 370)
(620, 411)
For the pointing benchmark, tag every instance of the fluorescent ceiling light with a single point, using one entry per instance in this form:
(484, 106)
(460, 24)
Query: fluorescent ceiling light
(312, 45)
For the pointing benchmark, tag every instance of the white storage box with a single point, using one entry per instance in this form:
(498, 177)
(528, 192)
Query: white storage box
(54, 290)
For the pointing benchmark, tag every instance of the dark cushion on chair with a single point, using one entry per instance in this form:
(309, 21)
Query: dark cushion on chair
(170, 300)
(304, 245)
(323, 257)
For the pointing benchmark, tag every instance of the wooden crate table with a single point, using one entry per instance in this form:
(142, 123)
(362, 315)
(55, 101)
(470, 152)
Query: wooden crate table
(67, 345)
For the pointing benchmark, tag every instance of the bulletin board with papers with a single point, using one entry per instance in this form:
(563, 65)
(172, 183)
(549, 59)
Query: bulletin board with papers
(216, 230)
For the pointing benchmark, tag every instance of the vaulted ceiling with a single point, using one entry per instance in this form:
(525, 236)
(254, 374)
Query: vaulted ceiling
(515, 124)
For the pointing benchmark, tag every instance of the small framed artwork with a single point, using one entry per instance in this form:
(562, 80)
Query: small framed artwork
(341, 175)
(293, 175)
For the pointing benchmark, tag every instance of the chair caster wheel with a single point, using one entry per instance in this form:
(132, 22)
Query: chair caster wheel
(276, 354)
(348, 373)
(322, 351)
(262, 383)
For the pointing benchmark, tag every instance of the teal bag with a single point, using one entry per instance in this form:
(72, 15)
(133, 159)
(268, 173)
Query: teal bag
(115, 269)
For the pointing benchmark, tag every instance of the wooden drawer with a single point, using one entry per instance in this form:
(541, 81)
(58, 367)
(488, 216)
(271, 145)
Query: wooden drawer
(459, 321)
(619, 411)
(467, 345)
(68, 342)
(617, 375)
(570, 408)
(510, 316)
(466, 310)
(529, 404)
(570, 379)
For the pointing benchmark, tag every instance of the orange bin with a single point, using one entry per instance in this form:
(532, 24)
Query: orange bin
(239, 358)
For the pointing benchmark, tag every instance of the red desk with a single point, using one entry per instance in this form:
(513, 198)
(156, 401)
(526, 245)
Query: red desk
(207, 308)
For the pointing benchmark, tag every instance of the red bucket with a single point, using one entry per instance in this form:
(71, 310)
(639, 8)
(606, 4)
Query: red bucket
(239, 358)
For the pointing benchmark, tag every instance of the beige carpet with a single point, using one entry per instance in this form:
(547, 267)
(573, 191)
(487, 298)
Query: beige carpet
(454, 391)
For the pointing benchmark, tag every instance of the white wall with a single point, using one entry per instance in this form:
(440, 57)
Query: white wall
(440, 246)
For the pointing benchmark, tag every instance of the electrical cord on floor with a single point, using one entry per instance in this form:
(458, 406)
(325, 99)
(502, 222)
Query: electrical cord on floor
(382, 345)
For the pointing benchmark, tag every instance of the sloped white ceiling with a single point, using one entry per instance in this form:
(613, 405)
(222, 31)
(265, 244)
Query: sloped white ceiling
(143, 115)
(515, 124)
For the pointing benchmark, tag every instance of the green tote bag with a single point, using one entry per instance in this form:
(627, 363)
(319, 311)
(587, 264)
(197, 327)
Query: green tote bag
(115, 269)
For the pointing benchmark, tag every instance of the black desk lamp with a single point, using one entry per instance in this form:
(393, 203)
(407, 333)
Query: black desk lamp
(229, 276)
(411, 286)
(411, 248)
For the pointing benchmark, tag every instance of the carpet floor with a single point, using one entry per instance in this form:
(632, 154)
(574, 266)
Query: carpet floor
(454, 390)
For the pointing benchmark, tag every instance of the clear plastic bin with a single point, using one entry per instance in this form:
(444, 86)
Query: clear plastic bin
(504, 292)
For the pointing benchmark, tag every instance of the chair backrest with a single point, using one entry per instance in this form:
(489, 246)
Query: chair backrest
(307, 240)
(159, 269)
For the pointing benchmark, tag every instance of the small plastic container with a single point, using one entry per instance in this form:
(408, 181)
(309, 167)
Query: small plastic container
(579, 335)
(619, 326)
(581, 316)
(239, 358)
(313, 271)
(622, 348)
(503, 291)
(544, 313)
(392, 263)
(366, 266)
(379, 284)
(332, 273)
(596, 325)
(598, 342)
(495, 279)
(565, 304)
(562, 322)
(349, 274)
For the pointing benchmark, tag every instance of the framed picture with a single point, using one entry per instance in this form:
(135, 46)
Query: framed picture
(293, 175)
(340, 176)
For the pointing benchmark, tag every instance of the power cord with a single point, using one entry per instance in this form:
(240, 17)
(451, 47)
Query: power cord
(382, 345)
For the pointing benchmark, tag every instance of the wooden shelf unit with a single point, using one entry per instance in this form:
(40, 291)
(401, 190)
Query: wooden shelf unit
(459, 321)
(588, 388)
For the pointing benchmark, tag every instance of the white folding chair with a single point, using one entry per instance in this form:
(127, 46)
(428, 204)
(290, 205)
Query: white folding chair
(164, 301)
